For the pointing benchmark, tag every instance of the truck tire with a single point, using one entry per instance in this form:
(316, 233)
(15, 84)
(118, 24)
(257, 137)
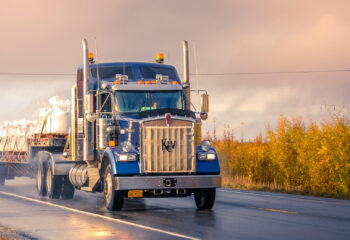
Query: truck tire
(2, 175)
(41, 178)
(205, 198)
(53, 183)
(113, 199)
(67, 189)
(2, 180)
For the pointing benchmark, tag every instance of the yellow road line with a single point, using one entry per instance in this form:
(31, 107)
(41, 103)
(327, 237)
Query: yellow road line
(274, 210)
(99, 216)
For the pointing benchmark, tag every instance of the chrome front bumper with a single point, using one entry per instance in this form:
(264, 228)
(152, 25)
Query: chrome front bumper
(159, 182)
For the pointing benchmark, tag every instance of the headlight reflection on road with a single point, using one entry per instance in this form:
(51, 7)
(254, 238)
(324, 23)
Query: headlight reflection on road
(102, 233)
(87, 229)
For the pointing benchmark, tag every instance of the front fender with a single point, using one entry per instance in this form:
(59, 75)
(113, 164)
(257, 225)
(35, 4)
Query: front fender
(109, 156)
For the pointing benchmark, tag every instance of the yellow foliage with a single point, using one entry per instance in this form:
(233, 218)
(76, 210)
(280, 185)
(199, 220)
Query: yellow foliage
(308, 158)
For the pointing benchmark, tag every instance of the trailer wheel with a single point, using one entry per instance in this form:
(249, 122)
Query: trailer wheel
(53, 183)
(2, 180)
(2, 175)
(41, 179)
(67, 189)
(205, 198)
(114, 199)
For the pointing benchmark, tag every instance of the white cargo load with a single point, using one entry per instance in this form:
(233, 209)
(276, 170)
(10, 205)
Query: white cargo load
(55, 119)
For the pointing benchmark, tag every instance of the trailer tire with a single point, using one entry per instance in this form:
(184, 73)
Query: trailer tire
(53, 183)
(41, 179)
(114, 199)
(3, 174)
(67, 189)
(2, 180)
(205, 198)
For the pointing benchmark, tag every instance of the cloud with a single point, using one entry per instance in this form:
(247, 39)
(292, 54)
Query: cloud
(230, 36)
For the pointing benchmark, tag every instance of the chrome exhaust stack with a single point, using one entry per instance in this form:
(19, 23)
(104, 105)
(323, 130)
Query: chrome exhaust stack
(88, 144)
(186, 78)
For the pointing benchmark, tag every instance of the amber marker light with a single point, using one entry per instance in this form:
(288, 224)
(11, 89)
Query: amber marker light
(91, 57)
(112, 144)
(159, 58)
(154, 82)
(147, 82)
(116, 82)
(175, 82)
(140, 82)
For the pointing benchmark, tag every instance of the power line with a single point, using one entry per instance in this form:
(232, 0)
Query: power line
(194, 74)
(35, 74)
(270, 73)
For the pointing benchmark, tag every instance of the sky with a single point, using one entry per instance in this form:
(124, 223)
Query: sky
(233, 36)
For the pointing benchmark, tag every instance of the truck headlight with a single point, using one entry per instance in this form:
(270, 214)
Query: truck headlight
(206, 156)
(205, 145)
(126, 157)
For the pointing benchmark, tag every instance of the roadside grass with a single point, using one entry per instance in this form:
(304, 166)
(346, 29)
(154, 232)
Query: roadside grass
(243, 183)
(9, 234)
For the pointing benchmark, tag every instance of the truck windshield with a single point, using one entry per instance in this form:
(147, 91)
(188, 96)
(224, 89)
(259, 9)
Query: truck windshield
(133, 102)
(110, 72)
(150, 72)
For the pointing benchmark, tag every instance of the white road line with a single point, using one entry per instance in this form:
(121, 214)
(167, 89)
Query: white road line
(100, 216)
(291, 197)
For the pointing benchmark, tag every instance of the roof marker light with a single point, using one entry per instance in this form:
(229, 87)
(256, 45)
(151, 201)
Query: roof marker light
(116, 82)
(160, 58)
(140, 82)
(147, 82)
(175, 82)
(154, 82)
(91, 58)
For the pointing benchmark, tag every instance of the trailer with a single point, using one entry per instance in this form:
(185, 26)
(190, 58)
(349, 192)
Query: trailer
(134, 134)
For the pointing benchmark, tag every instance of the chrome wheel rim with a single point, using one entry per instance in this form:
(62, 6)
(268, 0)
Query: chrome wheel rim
(108, 188)
(49, 179)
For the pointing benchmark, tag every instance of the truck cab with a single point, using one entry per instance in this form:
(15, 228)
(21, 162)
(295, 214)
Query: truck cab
(135, 135)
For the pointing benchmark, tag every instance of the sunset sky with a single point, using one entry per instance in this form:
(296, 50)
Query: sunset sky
(44, 36)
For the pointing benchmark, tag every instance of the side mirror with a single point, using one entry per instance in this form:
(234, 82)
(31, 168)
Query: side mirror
(204, 107)
(205, 103)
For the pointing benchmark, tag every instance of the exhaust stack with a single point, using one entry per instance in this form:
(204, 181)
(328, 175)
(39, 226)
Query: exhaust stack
(186, 79)
(88, 144)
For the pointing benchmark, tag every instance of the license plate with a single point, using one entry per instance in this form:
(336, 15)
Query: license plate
(135, 193)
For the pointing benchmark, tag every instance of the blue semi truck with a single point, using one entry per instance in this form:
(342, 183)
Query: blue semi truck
(133, 135)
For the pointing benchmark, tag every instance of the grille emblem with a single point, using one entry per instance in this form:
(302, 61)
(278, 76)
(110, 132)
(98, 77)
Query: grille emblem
(168, 145)
(168, 118)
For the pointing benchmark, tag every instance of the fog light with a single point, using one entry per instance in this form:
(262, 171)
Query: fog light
(127, 158)
(202, 156)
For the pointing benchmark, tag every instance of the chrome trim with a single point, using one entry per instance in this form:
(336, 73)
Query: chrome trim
(174, 117)
(156, 182)
(179, 155)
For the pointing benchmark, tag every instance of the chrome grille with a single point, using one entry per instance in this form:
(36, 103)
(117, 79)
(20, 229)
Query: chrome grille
(167, 149)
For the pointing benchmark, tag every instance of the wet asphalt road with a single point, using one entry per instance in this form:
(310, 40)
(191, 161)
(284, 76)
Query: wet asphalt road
(236, 215)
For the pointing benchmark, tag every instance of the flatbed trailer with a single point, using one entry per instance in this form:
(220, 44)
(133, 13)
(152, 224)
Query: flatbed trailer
(23, 163)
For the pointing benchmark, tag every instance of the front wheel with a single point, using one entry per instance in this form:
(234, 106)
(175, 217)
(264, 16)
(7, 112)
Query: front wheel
(205, 198)
(114, 199)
